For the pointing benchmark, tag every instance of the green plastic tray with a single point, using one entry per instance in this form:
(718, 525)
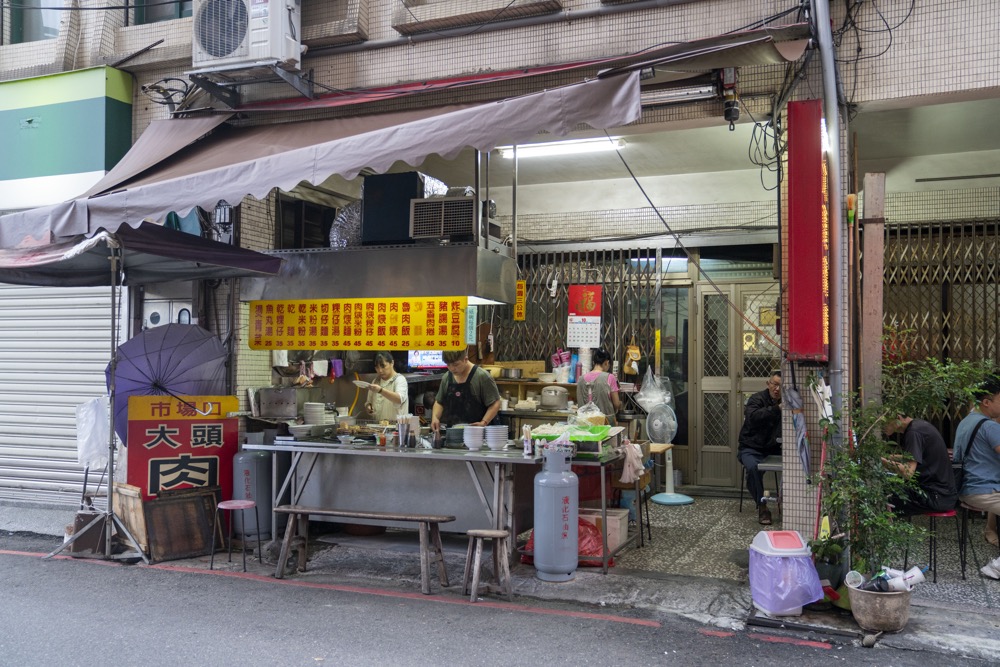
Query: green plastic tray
(580, 434)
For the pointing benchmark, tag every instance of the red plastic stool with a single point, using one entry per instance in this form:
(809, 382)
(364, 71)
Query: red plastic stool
(932, 543)
(231, 505)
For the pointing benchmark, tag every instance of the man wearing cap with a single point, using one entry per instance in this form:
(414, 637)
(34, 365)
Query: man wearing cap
(981, 486)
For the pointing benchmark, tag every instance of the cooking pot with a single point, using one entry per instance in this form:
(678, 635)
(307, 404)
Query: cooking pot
(512, 373)
(555, 398)
(494, 371)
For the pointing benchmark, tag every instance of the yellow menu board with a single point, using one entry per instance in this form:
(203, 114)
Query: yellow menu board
(404, 323)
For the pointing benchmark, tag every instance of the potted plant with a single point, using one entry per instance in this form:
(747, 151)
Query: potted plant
(855, 485)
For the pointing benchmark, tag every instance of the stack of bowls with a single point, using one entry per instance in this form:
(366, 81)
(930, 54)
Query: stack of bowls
(496, 437)
(315, 413)
(473, 436)
(454, 436)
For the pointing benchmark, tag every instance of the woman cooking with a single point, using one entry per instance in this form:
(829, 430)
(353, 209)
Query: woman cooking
(601, 387)
(388, 394)
(467, 395)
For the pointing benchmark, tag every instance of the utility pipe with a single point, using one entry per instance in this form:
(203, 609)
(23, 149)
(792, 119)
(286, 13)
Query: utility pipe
(821, 14)
(543, 19)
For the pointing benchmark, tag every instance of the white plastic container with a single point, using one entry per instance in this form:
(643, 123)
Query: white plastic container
(782, 574)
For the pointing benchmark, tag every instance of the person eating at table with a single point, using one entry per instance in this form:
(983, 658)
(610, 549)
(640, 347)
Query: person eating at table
(388, 393)
(467, 395)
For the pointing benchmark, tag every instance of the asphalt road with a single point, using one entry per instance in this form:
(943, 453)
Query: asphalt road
(90, 613)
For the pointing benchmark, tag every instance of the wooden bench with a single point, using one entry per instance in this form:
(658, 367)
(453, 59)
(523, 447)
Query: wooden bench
(297, 535)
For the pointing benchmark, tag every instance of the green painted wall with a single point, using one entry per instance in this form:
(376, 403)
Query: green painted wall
(64, 123)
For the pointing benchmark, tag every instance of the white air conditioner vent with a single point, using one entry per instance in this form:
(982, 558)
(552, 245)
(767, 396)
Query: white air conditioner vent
(442, 217)
(230, 33)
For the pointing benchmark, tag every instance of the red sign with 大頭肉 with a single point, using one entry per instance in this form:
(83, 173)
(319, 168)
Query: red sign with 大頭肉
(584, 300)
(181, 443)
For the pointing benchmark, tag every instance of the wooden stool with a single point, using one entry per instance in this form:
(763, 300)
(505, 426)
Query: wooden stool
(501, 565)
(230, 505)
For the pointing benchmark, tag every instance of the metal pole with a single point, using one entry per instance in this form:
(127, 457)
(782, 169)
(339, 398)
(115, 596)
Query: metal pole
(821, 13)
(108, 524)
(513, 208)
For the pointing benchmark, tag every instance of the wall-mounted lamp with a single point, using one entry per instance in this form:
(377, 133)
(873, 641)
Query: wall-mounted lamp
(571, 147)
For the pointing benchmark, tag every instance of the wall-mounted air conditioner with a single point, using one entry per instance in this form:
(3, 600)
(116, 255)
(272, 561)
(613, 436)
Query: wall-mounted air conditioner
(443, 217)
(229, 33)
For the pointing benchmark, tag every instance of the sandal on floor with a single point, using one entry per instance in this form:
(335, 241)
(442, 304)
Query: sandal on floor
(764, 516)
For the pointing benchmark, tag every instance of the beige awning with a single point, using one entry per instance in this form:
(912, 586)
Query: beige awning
(231, 163)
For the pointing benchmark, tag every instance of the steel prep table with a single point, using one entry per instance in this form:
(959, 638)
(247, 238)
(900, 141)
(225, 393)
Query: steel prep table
(385, 479)
(478, 487)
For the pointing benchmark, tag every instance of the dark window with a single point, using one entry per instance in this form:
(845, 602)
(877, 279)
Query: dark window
(30, 24)
(152, 11)
(302, 224)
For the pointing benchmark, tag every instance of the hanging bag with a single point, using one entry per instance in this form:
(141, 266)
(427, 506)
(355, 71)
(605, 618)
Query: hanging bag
(632, 354)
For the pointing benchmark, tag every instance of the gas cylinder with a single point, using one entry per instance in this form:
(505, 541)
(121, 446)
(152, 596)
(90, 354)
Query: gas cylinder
(557, 492)
(252, 481)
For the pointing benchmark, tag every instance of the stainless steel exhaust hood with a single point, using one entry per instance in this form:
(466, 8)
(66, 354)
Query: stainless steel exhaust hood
(486, 276)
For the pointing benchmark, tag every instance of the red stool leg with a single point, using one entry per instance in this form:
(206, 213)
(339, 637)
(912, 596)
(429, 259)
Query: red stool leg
(215, 529)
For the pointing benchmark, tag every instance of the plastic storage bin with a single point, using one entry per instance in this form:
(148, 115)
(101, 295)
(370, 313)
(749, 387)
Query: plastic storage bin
(782, 574)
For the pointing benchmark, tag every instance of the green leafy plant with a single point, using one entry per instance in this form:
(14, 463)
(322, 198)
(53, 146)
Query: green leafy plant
(856, 486)
(829, 550)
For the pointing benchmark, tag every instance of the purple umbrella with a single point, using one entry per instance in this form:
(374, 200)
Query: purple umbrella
(170, 360)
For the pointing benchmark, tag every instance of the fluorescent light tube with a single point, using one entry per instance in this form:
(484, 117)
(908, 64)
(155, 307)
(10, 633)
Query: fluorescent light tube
(677, 95)
(571, 147)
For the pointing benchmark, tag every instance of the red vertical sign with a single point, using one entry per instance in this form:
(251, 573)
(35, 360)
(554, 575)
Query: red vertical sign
(807, 291)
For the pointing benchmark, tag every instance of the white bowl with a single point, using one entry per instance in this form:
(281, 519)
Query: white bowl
(474, 445)
(496, 446)
(300, 430)
(546, 377)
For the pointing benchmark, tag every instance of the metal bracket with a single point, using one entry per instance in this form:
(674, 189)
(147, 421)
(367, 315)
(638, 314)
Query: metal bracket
(223, 85)
(303, 84)
(228, 96)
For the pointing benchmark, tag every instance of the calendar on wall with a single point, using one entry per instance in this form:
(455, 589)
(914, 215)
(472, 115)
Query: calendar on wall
(583, 332)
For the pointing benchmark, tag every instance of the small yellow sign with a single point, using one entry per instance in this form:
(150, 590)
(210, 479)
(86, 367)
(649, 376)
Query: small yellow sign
(152, 408)
(432, 323)
(520, 295)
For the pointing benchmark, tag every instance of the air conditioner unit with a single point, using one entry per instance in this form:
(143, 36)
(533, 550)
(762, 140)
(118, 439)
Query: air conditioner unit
(231, 33)
(442, 217)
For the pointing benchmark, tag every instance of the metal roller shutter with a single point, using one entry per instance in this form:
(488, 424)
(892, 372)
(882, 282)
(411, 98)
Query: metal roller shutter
(54, 347)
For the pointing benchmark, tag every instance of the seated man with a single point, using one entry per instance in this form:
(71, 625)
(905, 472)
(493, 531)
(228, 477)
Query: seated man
(760, 437)
(977, 443)
(929, 462)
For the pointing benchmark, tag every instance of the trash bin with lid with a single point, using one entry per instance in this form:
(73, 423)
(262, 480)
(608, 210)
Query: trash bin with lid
(782, 574)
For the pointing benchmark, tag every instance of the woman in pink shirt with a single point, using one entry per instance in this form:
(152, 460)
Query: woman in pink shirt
(601, 387)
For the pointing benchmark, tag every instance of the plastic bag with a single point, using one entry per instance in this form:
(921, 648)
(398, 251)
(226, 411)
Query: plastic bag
(589, 413)
(653, 391)
(92, 432)
(590, 550)
(781, 585)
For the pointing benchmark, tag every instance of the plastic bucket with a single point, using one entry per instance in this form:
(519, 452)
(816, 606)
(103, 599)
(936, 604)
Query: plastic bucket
(880, 612)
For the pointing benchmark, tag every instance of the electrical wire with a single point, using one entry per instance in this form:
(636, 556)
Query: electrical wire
(691, 258)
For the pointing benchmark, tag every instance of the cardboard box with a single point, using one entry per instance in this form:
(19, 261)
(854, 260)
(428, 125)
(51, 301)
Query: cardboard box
(617, 523)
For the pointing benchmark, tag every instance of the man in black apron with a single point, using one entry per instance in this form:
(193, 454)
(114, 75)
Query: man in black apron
(467, 395)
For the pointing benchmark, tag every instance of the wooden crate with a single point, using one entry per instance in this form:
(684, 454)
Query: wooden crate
(129, 508)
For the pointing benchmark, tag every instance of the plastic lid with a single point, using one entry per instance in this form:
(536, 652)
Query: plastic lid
(780, 543)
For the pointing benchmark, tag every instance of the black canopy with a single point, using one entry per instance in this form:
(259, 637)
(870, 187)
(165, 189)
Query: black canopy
(150, 253)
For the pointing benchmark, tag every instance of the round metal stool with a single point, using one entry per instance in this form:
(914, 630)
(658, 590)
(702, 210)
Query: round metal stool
(231, 505)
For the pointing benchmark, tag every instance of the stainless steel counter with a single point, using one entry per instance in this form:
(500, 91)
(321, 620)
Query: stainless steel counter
(483, 489)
